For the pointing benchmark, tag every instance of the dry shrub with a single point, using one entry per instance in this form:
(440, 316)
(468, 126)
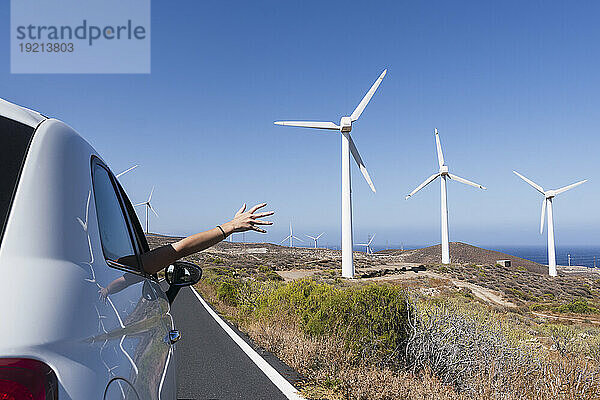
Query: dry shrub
(471, 350)
(323, 360)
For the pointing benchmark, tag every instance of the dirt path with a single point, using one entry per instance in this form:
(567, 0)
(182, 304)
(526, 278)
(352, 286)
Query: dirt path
(572, 319)
(294, 274)
(487, 295)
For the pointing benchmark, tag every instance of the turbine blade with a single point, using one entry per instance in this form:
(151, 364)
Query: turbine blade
(139, 204)
(544, 202)
(320, 235)
(438, 146)
(152, 191)
(466, 182)
(126, 171)
(422, 185)
(360, 163)
(363, 103)
(285, 239)
(155, 213)
(533, 184)
(297, 238)
(313, 238)
(309, 124)
(371, 241)
(564, 189)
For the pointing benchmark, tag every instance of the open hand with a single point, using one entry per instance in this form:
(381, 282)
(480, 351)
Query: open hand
(248, 220)
(103, 294)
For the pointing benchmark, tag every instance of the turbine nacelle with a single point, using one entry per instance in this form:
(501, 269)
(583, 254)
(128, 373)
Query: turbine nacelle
(444, 170)
(345, 124)
(550, 194)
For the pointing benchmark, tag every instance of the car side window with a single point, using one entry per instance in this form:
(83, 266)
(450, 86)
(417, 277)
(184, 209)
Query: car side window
(138, 234)
(139, 239)
(115, 236)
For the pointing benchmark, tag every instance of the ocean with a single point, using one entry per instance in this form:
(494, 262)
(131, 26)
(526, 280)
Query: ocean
(586, 256)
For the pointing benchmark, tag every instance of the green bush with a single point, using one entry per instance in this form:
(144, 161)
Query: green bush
(273, 276)
(227, 292)
(372, 320)
(264, 268)
(467, 293)
(579, 306)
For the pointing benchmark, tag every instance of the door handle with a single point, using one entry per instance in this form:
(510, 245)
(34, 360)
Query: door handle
(173, 336)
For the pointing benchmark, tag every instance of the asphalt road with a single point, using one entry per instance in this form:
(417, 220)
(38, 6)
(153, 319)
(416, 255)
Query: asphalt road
(210, 365)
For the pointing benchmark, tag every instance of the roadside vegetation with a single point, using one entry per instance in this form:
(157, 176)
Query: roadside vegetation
(410, 328)
(388, 341)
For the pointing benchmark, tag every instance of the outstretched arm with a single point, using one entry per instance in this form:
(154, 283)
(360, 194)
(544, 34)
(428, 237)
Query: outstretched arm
(161, 257)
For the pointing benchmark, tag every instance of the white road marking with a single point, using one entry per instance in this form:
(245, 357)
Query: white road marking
(282, 384)
(164, 374)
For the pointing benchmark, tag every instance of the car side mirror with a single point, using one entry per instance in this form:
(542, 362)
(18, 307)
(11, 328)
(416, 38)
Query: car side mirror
(182, 273)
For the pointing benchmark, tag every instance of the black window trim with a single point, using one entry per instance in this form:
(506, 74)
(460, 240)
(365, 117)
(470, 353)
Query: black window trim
(18, 178)
(97, 162)
(134, 224)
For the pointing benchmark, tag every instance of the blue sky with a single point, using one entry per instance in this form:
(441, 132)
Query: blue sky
(509, 85)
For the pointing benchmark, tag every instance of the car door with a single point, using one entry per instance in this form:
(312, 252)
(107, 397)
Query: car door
(167, 388)
(131, 343)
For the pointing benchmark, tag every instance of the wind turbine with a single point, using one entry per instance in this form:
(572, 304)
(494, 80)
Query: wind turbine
(443, 174)
(315, 238)
(148, 206)
(345, 126)
(291, 237)
(547, 203)
(126, 171)
(367, 245)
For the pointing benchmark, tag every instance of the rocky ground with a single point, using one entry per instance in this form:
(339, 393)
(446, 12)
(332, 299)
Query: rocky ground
(473, 270)
(462, 253)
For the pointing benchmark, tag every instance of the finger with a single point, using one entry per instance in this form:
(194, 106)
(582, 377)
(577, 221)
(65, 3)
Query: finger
(241, 210)
(259, 222)
(263, 214)
(254, 228)
(256, 207)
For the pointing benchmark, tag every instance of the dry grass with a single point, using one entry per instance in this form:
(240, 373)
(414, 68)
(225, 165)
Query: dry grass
(333, 374)
(457, 350)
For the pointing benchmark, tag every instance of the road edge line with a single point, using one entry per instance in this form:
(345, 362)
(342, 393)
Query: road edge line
(282, 384)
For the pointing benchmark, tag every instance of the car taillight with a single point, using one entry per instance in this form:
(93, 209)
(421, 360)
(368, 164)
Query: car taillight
(26, 379)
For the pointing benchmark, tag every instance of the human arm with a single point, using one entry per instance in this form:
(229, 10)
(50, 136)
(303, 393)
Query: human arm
(159, 258)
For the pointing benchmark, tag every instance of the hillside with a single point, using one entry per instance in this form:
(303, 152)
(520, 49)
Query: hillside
(462, 253)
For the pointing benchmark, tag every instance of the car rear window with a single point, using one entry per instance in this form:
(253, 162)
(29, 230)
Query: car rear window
(14, 143)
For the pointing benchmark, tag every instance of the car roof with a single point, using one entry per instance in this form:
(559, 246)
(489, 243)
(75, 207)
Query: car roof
(20, 114)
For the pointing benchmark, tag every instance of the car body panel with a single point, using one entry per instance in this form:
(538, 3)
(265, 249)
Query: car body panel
(53, 267)
(20, 114)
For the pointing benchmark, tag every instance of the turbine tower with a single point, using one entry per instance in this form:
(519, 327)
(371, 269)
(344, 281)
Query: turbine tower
(126, 171)
(291, 237)
(443, 174)
(547, 203)
(148, 206)
(367, 245)
(315, 238)
(345, 126)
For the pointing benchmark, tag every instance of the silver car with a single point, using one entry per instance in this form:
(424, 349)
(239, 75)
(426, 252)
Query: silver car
(80, 317)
